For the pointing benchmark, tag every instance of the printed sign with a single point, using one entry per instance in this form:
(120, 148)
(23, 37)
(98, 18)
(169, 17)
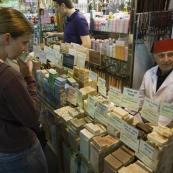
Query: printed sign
(92, 76)
(71, 96)
(43, 57)
(68, 60)
(166, 109)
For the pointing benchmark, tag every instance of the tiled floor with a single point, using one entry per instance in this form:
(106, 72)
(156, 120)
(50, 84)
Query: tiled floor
(52, 160)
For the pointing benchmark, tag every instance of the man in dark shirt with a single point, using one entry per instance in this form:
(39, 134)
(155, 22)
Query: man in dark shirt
(76, 28)
(157, 83)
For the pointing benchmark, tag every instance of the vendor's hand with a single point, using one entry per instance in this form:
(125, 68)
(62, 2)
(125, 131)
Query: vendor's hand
(25, 68)
(49, 34)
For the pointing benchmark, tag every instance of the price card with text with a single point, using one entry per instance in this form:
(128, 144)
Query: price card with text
(101, 118)
(56, 48)
(115, 95)
(52, 55)
(130, 99)
(79, 97)
(91, 106)
(42, 57)
(93, 76)
(58, 58)
(73, 52)
(36, 50)
(150, 111)
(129, 140)
(46, 49)
(71, 95)
(102, 108)
(68, 60)
(148, 150)
(166, 110)
(115, 121)
(101, 86)
(80, 59)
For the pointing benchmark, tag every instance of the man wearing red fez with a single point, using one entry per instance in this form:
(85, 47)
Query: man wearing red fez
(157, 83)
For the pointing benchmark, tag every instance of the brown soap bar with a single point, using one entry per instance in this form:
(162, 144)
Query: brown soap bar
(114, 163)
(128, 150)
(144, 127)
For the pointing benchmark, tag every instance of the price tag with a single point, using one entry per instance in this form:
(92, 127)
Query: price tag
(166, 109)
(46, 49)
(71, 96)
(93, 76)
(152, 163)
(130, 141)
(130, 99)
(79, 97)
(68, 60)
(56, 48)
(148, 150)
(73, 52)
(101, 118)
(115, 121)
(150, 111)
(115, 95)
(101, 86)
(130, 130)
(43, 57)
(80, 59)
(36, 50)
(58, 58)
(102, 108)
(52, 55)
(91, 106)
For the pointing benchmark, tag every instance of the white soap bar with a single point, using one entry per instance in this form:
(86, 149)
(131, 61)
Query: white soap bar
(163, 131)
(157, 139)
(120, 111)
(94, 129)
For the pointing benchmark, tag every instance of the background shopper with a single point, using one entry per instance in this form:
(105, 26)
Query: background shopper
(76, 27)
(20, 150)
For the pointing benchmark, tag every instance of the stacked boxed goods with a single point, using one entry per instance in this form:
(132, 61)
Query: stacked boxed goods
(83, 77)
(60, 69)
(87, 91)
(70, 73)
(156, 152)
(76, 125)
(85, 168)
(100, 147)
(52, 76)
(60, 97)
(76, 73)
(119, 158)
(66, 156)
(71, 82)
(138, 166)
(86, 136)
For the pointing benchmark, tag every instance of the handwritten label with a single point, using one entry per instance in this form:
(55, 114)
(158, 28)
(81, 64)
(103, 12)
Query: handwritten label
(93, 76)
(130, 99)
(152, 163)
(130, 130)
(115, 121)
(91, 106)
(36, 50)
(102, 108)
(130, 141)
(56, 48)
(43, 57)
(71, 95)
(80, 59)
(101, 118)
(166, 109)
(79, 97)
(115, 95)
(68, 60)
(148, 150)
(150, 111)
(101, 86)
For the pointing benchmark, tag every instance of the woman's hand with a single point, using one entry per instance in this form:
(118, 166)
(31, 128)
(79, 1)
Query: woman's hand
(25, 68)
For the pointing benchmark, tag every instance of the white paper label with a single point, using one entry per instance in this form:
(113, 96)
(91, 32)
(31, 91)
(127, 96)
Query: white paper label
(130, 99)
(130, 141)
(71, 96)
(58, 58)
(46, 49)
(101, 86)
(56, 48)
(73, 52)
(166, 109)
(36, 50)
(102, 108)
(52, 55)
(101, 81)
(130, 130)
(80, 59)
(91, 106)
(150, 111)
(115, 95)
(79, 97)
(148, 150)
(115, 121)
(101, 118)
(93, 76)
(146, 160)
(42, 57)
